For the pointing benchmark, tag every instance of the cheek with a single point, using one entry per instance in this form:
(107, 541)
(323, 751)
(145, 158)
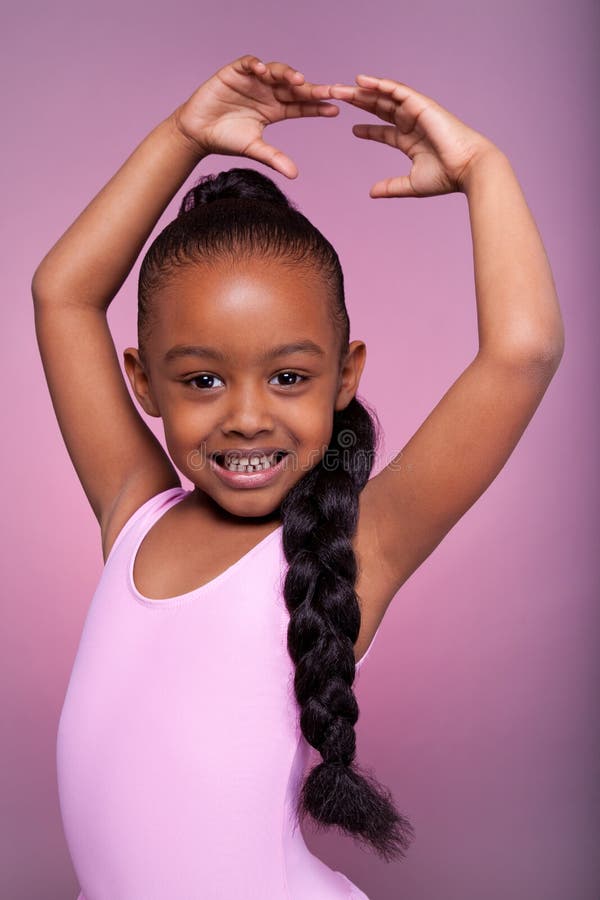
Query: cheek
(314, 432)
(186, 415)
(310, 417)
(186, 430)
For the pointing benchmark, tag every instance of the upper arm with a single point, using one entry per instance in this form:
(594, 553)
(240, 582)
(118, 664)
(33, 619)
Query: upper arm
(451, 459)
(107, 440)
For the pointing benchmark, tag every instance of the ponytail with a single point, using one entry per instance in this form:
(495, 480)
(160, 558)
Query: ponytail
(223, 217)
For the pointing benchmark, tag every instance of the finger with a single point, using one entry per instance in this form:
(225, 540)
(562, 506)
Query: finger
(295, 110)
(368, 88)
(249, 65)
(321, 91)
(385, 134)
(370, 101)
(272, 157)
(353, 91)
(399, 186)
(410, 103)
(279, 71)
(306, 91)
(397, 89)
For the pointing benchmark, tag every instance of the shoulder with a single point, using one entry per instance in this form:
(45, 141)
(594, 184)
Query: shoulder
(136, 494)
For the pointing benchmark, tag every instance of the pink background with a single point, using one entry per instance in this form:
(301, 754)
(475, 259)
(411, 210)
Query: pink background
(477, 704)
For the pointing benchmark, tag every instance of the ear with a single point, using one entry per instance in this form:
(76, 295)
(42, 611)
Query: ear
(140, 381)
(350, 373)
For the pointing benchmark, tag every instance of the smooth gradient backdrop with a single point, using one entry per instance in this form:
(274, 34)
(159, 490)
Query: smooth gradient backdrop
(479, 701)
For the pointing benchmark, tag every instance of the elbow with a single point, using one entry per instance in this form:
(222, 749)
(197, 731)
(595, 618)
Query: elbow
(36, 286)
(543, 349)
(534, 361)
(549, 353)
(546, 356)
(41, 286)
(541, 361)
(531, 351)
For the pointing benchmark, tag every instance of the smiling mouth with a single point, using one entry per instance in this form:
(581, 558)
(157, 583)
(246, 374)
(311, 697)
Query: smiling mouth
(252, 462)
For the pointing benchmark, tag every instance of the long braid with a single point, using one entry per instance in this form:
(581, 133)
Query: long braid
(223, 217)
(319, 520)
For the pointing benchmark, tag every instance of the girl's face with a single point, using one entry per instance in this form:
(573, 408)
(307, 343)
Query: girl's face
(243, 387)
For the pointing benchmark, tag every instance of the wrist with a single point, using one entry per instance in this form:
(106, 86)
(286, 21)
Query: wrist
(180, 133)
(487, 160)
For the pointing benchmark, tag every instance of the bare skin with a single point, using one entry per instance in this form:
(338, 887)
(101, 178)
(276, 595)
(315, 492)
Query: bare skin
(405, 510)
(208, 405)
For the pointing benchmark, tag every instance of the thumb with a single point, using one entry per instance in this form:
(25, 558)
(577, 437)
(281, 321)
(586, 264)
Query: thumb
(399, 186)
(272, 157)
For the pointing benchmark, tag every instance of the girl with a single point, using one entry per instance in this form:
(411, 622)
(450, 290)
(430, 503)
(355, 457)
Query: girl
(223, 638)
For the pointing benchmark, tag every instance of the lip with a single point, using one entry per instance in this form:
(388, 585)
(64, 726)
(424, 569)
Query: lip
(247, 479)
(248, 451)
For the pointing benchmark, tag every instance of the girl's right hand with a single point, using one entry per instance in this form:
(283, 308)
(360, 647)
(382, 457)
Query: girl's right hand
(227, 113)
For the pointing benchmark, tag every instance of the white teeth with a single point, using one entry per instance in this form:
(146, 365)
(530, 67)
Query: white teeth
(255, 463)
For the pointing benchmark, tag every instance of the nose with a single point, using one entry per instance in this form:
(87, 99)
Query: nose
(248, 411)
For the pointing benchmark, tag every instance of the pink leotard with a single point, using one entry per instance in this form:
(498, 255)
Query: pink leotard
(179, 753)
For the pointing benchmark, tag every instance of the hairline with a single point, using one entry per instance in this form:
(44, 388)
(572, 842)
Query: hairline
(169, 272)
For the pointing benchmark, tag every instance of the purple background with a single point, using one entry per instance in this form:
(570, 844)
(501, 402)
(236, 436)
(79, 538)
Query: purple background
(477, 704)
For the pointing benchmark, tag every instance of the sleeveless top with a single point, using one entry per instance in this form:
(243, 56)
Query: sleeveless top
(179, 751)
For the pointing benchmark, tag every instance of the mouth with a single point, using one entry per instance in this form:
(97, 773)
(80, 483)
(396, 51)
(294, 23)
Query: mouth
(252, 461)
(259, 471)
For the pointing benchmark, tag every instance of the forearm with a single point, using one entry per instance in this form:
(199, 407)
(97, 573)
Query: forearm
(517, 306)
(91, 260)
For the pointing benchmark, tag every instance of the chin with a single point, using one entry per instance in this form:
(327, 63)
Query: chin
(243, 506)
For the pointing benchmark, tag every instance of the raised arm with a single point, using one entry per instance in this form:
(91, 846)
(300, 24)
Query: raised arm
(113, 450)
(467, 438)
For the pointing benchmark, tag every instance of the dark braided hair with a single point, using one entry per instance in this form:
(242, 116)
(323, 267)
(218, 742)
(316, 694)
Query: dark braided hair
(237, 213)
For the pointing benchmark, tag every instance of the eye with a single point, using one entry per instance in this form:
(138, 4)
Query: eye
(207, 377)
(204, 386)
(293, 375)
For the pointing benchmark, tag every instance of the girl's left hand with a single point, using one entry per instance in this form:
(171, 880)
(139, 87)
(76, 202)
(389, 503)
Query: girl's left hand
(441, 147)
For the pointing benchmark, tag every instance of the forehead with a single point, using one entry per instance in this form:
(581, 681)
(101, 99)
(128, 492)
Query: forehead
(243, 309)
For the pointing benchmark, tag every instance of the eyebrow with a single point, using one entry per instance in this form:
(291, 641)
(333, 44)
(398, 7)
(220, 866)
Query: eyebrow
(305, 346)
